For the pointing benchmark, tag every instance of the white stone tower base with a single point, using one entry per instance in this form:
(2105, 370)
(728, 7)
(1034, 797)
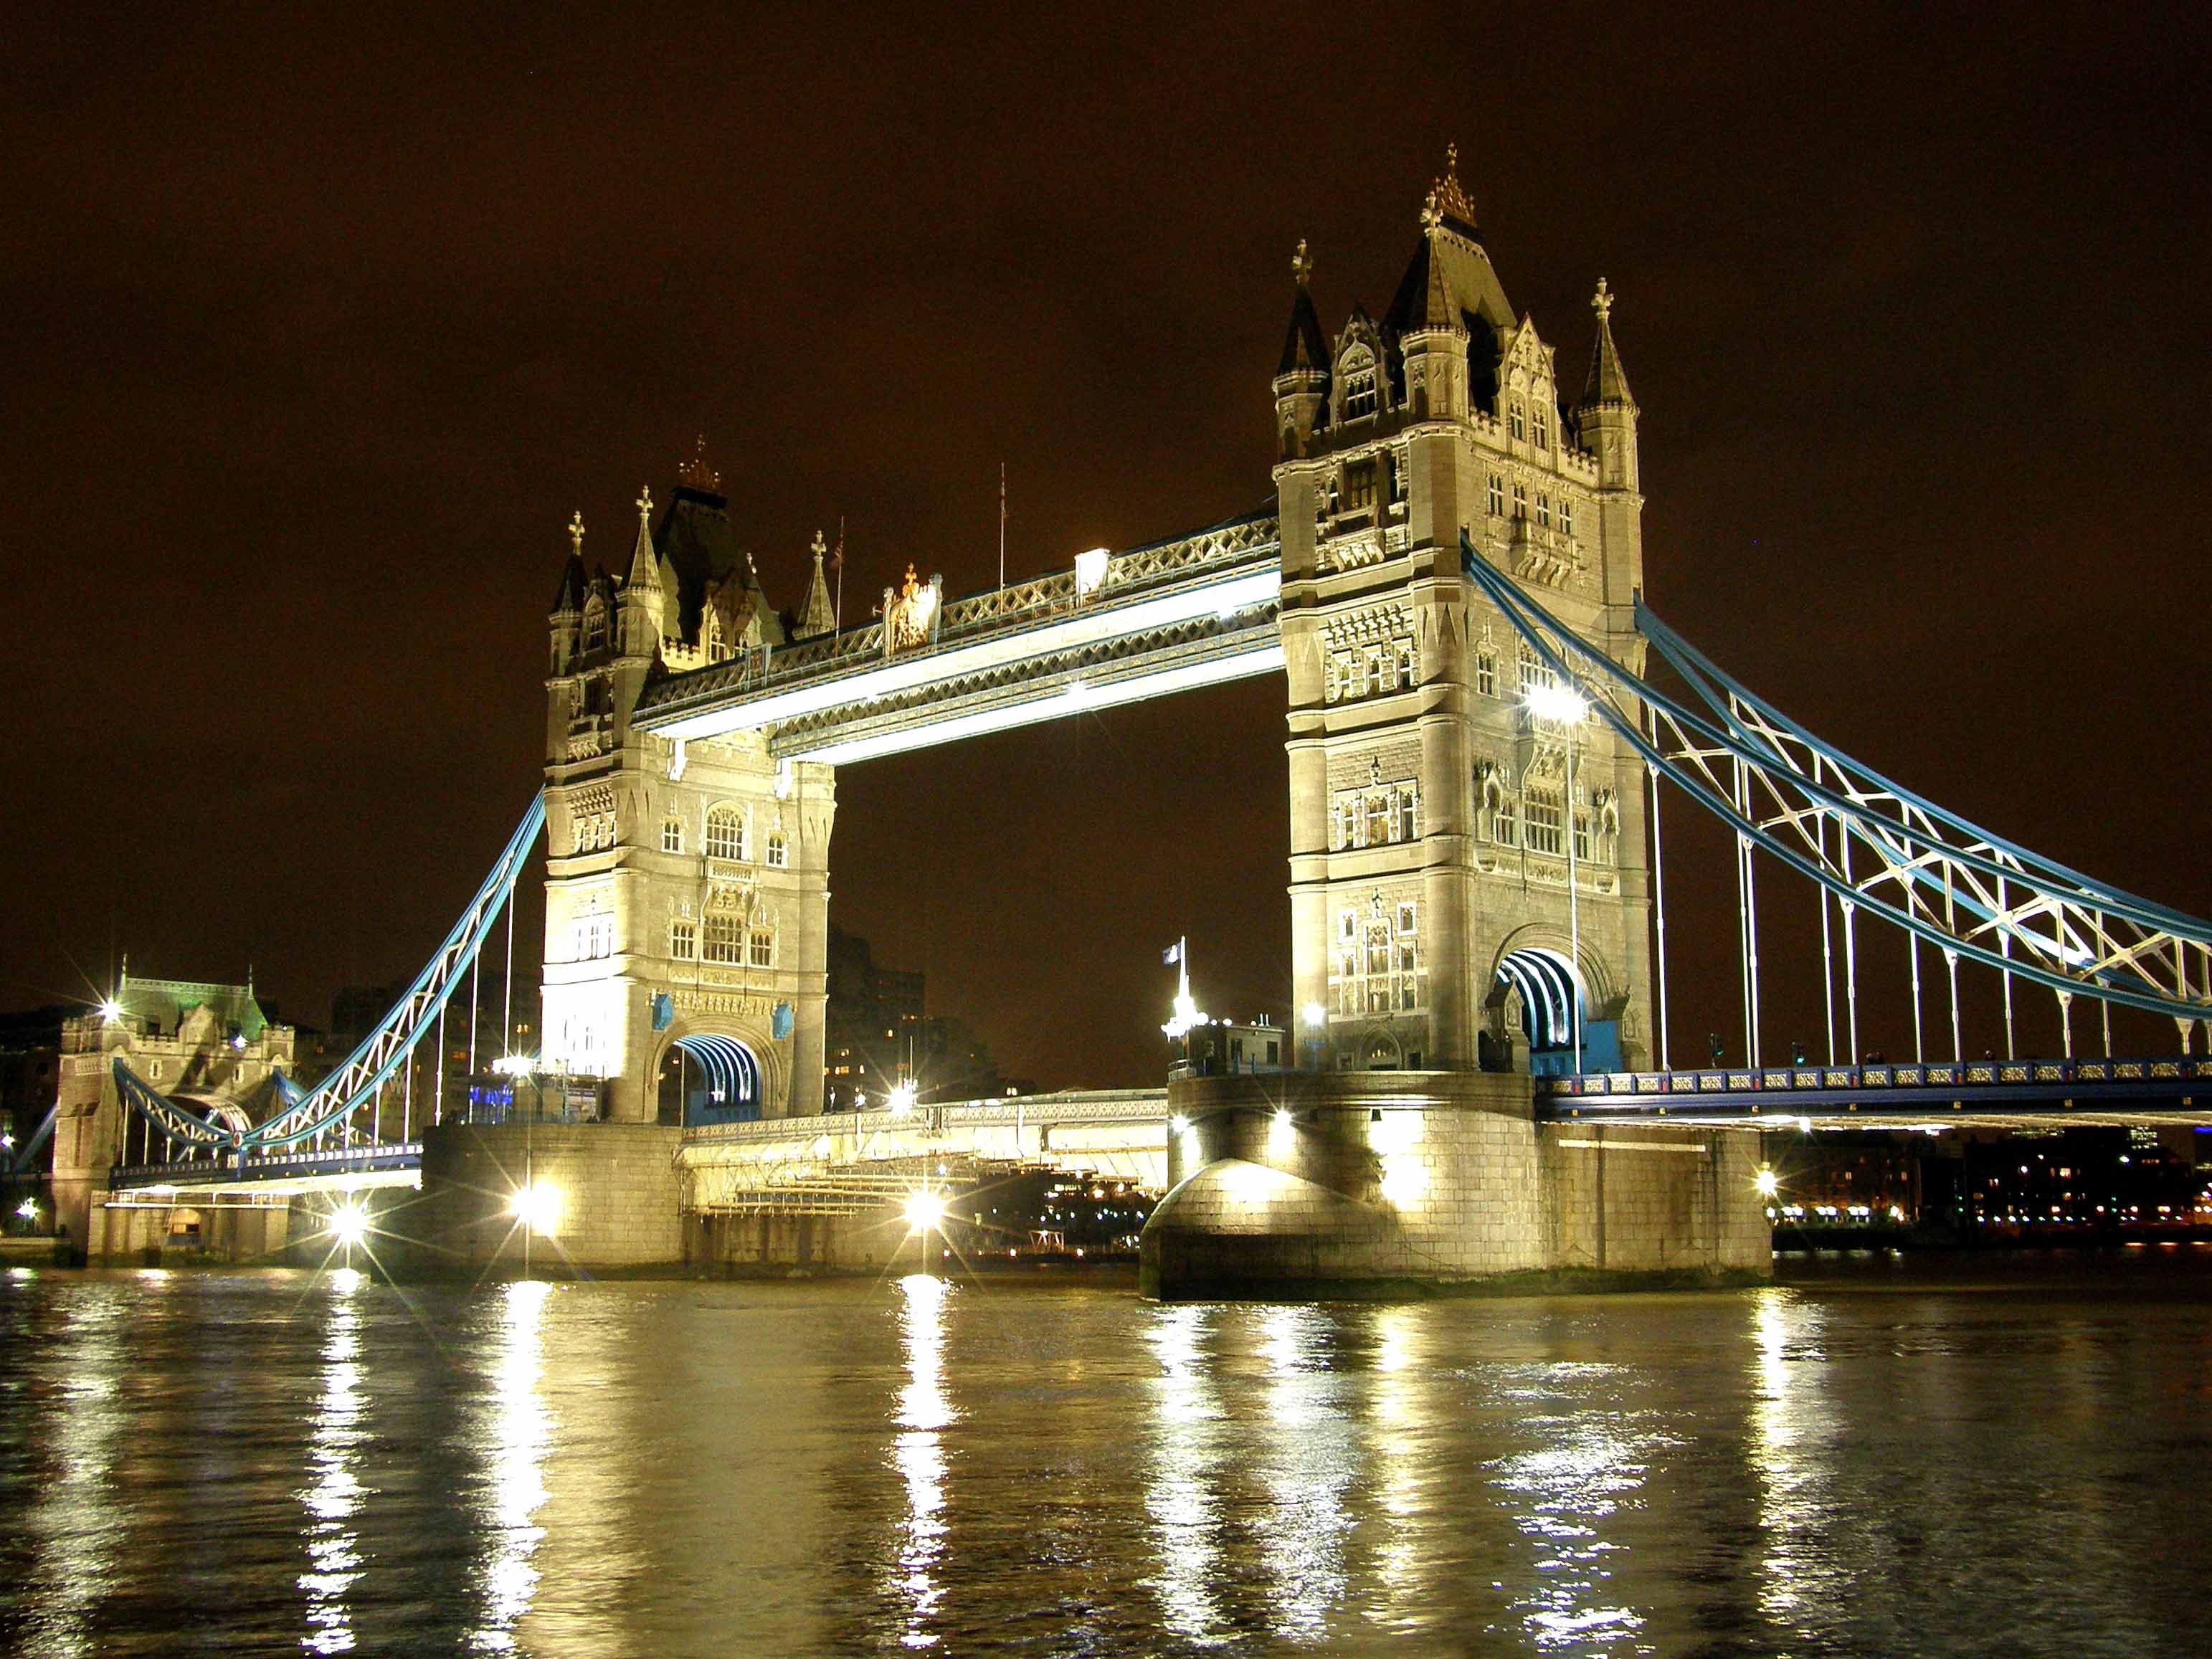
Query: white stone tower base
(1365, 1184)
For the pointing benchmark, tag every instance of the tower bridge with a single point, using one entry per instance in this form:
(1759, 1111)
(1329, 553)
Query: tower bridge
(1450, 580)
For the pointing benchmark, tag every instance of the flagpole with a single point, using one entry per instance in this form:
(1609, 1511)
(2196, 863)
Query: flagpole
(837, 625)
(1002, 527)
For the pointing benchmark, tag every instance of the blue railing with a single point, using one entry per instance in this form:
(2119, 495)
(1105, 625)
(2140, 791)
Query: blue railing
(290, 1166)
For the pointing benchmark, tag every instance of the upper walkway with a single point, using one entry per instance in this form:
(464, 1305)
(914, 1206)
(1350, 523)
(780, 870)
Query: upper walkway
(1116, 628)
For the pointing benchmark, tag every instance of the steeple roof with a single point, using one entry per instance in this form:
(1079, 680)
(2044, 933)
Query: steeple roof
(1304, 347)
(570, 595)
(819, 615)
(644, 557)
(1607, 381)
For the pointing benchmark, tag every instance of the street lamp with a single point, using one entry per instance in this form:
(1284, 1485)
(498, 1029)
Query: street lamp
(924, 1210)
(902, 1099)
(1548, 701)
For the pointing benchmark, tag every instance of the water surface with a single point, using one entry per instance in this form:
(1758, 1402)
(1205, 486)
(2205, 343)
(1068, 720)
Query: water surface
(2003, 1457)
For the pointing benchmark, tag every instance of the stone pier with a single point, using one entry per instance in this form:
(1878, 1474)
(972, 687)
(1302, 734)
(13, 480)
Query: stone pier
(1383, 1183)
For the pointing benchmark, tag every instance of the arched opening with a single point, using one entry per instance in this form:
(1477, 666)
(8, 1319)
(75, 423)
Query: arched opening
(1553, 1008)
(709, 1079)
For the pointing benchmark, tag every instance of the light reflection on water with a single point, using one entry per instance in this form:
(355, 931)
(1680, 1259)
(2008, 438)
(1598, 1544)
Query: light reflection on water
(337, 1493)
(855, 1467)
(919, 1451)
(518, 1432)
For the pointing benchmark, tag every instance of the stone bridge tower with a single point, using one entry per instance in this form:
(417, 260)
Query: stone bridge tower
(1433, 813)
(687, 892)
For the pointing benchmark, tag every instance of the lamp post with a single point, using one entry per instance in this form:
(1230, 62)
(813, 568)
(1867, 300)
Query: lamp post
(519, 1066)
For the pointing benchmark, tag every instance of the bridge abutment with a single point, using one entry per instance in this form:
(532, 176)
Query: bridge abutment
(1383, 1183)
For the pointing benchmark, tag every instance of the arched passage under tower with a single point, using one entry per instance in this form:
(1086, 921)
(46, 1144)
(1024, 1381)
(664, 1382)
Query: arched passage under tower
(1556, 1026)
(705, 1078)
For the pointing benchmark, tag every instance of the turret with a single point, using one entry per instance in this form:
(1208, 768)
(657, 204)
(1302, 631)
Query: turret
(644, 600)
(1302, 377)
(1435, 347)
(1606, 413)
(568, 613)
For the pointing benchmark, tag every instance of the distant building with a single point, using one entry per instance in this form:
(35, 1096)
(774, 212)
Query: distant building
(210, 1045)
(1222, 1046)
(30, 1057)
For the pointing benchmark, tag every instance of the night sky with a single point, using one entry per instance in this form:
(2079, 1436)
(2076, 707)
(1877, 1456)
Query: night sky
(319, 326)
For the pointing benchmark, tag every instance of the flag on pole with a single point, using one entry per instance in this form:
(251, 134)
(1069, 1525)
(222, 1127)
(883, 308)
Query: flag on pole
(1172, 955)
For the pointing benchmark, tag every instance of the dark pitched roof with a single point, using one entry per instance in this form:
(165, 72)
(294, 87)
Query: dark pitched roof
(1469, 284)
(570, 597)
(1303, 345)
(701, 544)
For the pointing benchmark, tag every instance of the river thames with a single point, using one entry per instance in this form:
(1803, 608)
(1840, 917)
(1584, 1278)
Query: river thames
(2001, 1456)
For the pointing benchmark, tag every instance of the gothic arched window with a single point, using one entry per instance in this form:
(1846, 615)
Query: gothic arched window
(777, 854)
(726, 833)
(1359, 393)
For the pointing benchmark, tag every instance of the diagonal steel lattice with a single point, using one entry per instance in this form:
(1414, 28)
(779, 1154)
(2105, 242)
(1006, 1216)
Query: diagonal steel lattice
(353, 1084)
(1878, 848)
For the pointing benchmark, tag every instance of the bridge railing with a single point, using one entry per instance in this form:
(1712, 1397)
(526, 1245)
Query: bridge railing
(1947, 1076)
(377, 1158)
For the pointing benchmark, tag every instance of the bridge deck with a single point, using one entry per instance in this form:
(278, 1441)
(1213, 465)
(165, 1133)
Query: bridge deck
(1197, 610)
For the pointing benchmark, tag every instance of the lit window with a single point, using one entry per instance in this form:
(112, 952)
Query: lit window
(721, 941)
(1407, 675)
(1496, 497)
(1359, 487)
(1485, 673)
(763, 948)
(1359, 394)
(726, 833)
(1520, 501)
(777, 855)
(1546, 832)
(1543, 431)
(1504, 827)
(1520, 422)
(671, 836)
(682, 939)
(1544, 511)
(1566, 516)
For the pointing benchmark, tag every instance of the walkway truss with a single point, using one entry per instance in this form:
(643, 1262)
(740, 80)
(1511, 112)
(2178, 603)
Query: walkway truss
(1872, 847)
(355, 1087)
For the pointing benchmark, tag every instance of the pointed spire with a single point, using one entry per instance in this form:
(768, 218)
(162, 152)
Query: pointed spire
(1437, 311)
(819, 616)
(1303, 346)
(644, 563)
(1607, 382)
(569, 598)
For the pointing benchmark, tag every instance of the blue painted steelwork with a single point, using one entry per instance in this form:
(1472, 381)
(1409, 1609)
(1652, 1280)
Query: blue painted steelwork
(19, 1159)
(1946, 1090)
(378, 1158)
(354, 1083)
(1970, 895)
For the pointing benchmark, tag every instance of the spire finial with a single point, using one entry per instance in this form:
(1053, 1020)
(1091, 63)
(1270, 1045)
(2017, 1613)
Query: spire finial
(1302, 263)
(645, 504)
(576, 533)
(1601, 301)
(697, 474)
(821, 547)
(1447, 198)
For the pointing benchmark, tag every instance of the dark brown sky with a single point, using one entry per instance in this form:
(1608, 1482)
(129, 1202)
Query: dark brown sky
(317, 328)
